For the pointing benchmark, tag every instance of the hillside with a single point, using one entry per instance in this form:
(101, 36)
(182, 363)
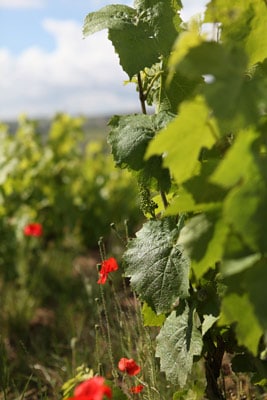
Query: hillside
(95, 127)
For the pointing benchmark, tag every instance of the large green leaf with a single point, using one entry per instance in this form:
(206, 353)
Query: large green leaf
(232, 93)
(255, 280)
(238, 162)
(237, 265)
(211, 58)
(245, 210)
(235, 99)
(140, 36)
(191, 196)
(179, 89)
(177, 343)
(163, 17)
(183, 139)
(245, 304)
(238, 309)
(244, 23)
(256, 43)
(243, 169)
(130, 135)
(158, 269)
(114, 16)
(185, 41)
(204, 238)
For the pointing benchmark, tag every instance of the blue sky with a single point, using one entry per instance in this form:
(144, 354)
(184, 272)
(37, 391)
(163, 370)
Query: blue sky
(46, 66)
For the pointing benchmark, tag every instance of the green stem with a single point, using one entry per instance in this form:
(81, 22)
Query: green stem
(109, 343)
(164, 199)
(152, 83)
(142, 96)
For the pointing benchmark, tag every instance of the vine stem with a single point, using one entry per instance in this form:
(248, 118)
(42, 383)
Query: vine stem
(142, 96)
(164, 199)
(152, 83)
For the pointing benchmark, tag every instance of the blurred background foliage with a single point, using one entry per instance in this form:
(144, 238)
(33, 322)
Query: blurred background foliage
(63, 181)
(66, 181)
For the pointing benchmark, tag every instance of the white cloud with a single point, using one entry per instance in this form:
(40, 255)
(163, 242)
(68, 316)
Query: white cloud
(79, 76)
(21, 3)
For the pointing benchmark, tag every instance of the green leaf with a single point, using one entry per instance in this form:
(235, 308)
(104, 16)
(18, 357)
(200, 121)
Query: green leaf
(130, 135)
(245, 210)
(163, 17)
(231, 93)
(130, 43)
(185, 135)
(235, 266)
(114, 16)
(238, 161)
(150, 318)
(244, 23)
(244, 207)
(140, 36)
(255, 279)
(238, 309)
(245, 304)
(158, 269)
(153, 170)
(203, 239)
(255, 43)
(235, 99)
(186, 40)
(177, 343)
(192, 197)
(212, 58)
(180, 88)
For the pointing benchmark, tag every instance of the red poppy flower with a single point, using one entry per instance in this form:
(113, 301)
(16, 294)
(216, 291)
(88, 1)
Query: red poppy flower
(92, 389)
(33, 229)
(136, 389)
(129, 366)
(107, 266)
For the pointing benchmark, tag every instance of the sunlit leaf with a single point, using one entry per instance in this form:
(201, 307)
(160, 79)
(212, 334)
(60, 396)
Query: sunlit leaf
(238, 309)
(203, 238)
(185, 135)
(150, 318)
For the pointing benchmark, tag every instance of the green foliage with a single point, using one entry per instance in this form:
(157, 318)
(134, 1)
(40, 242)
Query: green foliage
(150, 25)
(178, 342)
(68, 183)
(198, 264)
(214, 149)
(154, 260)
(62, 182)
(82, 373)
(203, 134)
(150, 318)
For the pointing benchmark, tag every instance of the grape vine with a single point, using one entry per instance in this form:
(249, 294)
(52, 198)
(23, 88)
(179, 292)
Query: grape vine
(201, 158)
